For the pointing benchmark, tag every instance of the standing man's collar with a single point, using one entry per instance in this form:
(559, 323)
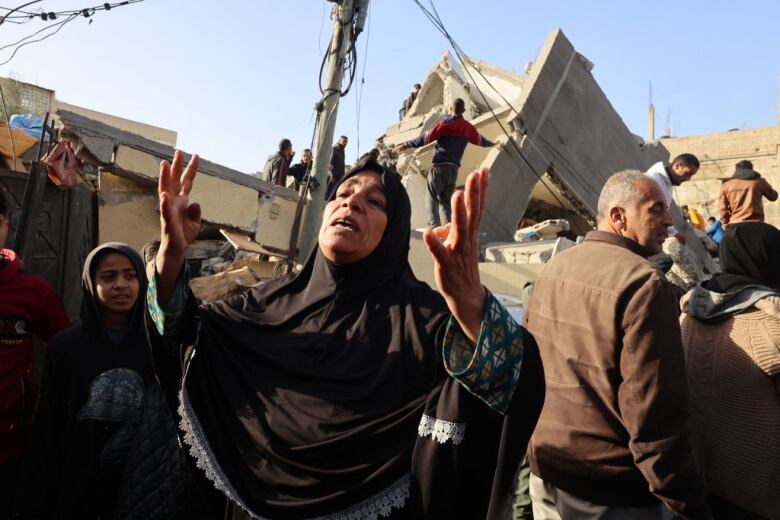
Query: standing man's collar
(617, 240)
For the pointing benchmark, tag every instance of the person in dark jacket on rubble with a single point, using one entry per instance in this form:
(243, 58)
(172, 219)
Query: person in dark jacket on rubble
(104, 442)
(276, 166)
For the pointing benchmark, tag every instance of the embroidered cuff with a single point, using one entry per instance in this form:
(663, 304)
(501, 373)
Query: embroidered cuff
(490, 369)
(165, 320)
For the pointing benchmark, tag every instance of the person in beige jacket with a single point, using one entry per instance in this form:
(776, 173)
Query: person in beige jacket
(731, 336)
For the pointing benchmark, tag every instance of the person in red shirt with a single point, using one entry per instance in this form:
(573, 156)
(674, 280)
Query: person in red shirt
(451, 136)
(28, 306)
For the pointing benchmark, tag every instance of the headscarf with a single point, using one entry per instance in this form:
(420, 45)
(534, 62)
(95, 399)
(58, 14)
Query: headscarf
(304, 394)
(90, 312)
(750, 255)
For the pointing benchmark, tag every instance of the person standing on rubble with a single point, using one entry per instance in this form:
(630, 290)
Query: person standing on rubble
(298, 171)
(451, 136)
(741, 196)
(409, 101)
(28, 306)
(613, 440)
(276, 166)
(681, 170)
(337, 166)
(350, 389)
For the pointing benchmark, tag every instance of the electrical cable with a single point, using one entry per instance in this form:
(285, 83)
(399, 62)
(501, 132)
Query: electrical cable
(86, 12)
(440, 26)
(61, 25)
(34, 34)
(469, 63)
(361, 86)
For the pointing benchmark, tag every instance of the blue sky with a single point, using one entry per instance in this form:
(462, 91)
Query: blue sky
(233, 77)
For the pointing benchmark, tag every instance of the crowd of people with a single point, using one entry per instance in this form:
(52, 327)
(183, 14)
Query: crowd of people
(352, 390)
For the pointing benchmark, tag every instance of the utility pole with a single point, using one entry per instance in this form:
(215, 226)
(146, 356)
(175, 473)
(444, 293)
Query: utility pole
(326, 122)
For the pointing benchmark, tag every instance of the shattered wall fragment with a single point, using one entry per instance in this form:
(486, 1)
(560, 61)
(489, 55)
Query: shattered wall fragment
(559, 127)
(127, 167)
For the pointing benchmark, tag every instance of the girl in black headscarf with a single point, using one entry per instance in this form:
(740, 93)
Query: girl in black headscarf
(349, 390)
(98, 401)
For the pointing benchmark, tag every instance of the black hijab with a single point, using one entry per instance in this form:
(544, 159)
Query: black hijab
(303, 395)
(90, 312)
(749, 255)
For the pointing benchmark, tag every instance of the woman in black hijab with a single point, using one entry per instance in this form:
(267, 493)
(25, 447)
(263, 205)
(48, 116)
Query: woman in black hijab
(350, 390)
(731, 333)
(92, 454)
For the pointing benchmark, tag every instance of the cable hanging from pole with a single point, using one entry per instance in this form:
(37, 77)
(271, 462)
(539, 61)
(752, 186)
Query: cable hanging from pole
(86, 12)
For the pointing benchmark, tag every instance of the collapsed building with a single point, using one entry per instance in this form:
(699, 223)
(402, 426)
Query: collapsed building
(560, 140)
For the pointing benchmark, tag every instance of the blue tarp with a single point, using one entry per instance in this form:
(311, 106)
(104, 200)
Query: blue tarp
(30, 123)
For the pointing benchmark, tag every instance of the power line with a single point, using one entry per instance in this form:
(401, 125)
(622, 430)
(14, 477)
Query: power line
(34, 34)
(86, 12)
(60, 24)
(12, 11)
(69, 15)
(362, 85)
(469, 64)
(436, 21)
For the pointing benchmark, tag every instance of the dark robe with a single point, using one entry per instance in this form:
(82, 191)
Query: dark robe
(302, 397)
(96, 407)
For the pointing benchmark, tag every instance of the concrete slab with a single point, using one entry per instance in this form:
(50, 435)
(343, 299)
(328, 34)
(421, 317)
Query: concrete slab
(127, 211)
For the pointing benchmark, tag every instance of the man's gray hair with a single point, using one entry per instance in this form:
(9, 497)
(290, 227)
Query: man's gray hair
(622, 189)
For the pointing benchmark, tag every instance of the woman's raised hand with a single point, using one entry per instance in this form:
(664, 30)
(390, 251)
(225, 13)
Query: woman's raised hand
(457, 257)
(179, 221)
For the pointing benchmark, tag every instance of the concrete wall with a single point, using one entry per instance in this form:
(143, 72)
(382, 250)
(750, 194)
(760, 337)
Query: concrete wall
(718, 153)
(156, 133)
(127, 211)
(564, 124)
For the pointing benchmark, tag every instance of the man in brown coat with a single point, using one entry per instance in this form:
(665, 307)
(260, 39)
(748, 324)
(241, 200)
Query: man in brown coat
(741, 196)
(612, 440)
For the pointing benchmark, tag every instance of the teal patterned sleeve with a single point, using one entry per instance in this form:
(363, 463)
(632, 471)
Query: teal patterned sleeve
(490, 369)
(165, 321)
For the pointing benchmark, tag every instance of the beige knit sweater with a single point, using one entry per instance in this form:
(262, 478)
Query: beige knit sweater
(734, 382)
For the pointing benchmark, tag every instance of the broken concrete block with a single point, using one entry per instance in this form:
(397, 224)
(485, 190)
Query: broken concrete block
(538, 252)
(274, 223)
(543, 230)
(231, 281)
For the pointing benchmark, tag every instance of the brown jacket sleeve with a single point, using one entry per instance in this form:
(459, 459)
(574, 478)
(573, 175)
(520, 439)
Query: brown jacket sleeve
(653, 399)
(768, 191)
(724, 212)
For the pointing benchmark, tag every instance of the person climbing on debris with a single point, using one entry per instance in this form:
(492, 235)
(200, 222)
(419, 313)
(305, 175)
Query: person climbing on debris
(451, 135)
(741, 196)
(103, 437)
(409, 101)
(350, 389)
